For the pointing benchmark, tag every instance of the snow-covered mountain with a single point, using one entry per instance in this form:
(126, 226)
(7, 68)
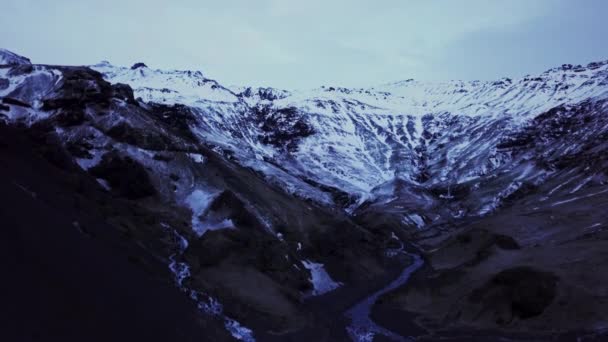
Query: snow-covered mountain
(168, 180)
(308, 193)
(354, 144)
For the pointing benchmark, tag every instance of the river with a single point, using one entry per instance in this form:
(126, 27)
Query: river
(362, 328)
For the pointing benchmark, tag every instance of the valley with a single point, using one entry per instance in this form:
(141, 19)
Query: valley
(436, 211)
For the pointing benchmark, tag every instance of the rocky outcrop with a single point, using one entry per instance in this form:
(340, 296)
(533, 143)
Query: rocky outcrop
(138, 65)
(11, 58)
(521, 292)
(282, 128)
(126, 176)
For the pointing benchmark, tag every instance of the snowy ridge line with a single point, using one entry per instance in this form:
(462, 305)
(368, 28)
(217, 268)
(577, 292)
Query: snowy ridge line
(339, 146)
(357, 139)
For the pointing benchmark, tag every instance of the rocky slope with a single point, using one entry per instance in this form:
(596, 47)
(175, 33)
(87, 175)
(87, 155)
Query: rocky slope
(71, 276)
(258, 200)
(243, 248)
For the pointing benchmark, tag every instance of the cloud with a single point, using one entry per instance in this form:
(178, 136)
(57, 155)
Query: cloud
(299, 43)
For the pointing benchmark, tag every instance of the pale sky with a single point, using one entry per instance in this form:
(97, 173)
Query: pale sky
(309, 43)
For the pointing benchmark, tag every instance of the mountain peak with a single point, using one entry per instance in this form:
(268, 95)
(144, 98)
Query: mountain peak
(578, 68)
(10, 58)
(138, 66)
(103, 63)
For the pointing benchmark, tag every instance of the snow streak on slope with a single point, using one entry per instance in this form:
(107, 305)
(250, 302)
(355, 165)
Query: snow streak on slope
(355, 140)
(206, 304)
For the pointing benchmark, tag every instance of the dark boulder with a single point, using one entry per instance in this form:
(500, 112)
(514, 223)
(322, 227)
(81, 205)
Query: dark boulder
(123, 92)
(70, 117)
(146, 139)
(4, 83)
(126, 176)
(505, 242)
(525, 291)
(229, 205)
(283, 128)
(177, 117)
(81, 87)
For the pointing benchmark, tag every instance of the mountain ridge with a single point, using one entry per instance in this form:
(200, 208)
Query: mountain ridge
(317, 192)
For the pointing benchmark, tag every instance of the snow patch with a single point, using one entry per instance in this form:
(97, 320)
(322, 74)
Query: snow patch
(170, 87)
(496, 202)
(238, 331)
(198, 202)
(578, 198)
(197, 157)
(321, 281)
(595, 225)
(211, 306)
(104, 184)
(88, 163)
(206, 304)
(416, 219)
(180, 270)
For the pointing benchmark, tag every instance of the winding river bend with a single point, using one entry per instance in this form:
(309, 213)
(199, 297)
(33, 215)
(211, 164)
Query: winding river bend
(362, 327)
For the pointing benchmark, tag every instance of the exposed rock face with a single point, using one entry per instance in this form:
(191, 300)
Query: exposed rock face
(282, 128)
(126, 176)
(523, 291)
(138, 65)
